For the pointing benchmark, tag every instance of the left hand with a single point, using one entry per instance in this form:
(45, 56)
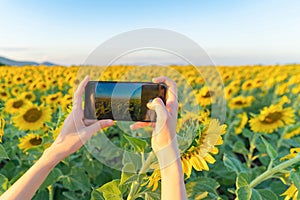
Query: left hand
(76, 130)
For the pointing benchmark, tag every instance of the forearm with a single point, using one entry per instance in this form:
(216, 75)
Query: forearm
(172, 179)
(28, 184)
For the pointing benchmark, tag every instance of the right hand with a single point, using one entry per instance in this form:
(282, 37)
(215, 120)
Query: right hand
(164, 132)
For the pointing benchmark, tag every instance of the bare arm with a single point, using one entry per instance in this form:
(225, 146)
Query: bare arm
(75, 132)
(164, 142)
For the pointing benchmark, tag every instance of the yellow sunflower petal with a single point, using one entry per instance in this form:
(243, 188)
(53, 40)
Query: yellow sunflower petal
(210, 159)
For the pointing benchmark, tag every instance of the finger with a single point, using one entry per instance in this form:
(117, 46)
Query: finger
(88, 122)
(159, 107)
(77, 103)
(138, 125)
(90, 130)
(172, 88)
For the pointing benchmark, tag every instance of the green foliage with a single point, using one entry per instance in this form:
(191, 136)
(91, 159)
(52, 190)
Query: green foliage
(3, 154)
(200, 185)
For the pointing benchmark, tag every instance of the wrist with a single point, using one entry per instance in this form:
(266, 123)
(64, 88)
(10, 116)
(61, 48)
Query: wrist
(51, 157)
(168, 154)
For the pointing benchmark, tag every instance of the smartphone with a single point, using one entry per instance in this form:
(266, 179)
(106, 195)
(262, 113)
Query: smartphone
(123, 101)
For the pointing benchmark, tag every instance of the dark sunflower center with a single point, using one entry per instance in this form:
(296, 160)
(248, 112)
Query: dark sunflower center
(32, 115)
(53, 98)
(19, 78)
(18, 104)
(28, 96)
(209, 94)
(4, 94)
(239, 102)
(35, 141)
(272, 117)
(249, 85)
(76, 81)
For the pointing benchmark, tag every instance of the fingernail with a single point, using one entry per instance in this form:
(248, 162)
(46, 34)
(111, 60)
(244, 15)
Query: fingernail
(110, 122)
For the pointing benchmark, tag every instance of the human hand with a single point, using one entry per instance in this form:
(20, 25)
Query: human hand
(164, 130)
(76, 130)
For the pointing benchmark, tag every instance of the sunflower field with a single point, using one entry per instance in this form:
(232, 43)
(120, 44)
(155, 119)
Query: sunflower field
(252, 154)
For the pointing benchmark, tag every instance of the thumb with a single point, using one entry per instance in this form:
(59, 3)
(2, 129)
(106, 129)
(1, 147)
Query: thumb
(161, 113)
(90, 130)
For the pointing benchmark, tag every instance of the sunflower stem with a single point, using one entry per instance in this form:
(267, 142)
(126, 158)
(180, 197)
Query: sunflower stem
(251, 150)
(51, 193)
(145, 167)
(281, 138)
(268, 174)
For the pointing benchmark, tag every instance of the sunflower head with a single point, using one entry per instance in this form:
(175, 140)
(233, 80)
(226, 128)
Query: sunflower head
(32, 117)
(29, 141)
(241, 102)
(271, 118)
(200, 153)
(4, 95)
(13, 106)
(29, 96)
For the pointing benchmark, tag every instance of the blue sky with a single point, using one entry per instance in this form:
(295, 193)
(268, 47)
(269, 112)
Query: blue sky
(232, 32)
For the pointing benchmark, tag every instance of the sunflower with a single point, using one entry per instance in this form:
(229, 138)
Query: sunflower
(293, 153)
(18, 79)
(153, 180)
(29, 96)
(271, 118)
(29, 141)
(28, 80)
(282, 89)
(53, 98)
(199, 155)
(8, 81)
(292, 133)
(205, 97)
(66, 101)
(32, 117)
(291, 193)
(56, 132)
(243, 121)
(296, 89)
(14, 105)
(248, 85)
(42, 86)
(231, 90)
(2, 86)
(15, 91)
(240, 102)
(4, 95)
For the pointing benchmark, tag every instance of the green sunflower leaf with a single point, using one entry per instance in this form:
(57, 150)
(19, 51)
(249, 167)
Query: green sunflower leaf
(4, 184)
(3, 154)
(270, 150)
(111, 190)
(138, 144)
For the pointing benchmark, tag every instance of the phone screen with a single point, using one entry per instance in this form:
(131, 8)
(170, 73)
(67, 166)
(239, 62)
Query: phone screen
(124, 101)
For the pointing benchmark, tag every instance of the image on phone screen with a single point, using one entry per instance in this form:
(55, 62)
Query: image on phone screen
(125, 101)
